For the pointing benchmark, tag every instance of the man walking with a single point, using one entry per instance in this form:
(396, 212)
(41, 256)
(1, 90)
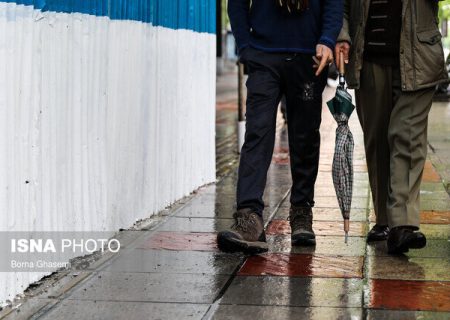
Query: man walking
(277, 40)
(395, 60)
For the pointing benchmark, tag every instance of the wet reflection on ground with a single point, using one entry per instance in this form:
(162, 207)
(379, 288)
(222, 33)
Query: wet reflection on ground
(174, 269)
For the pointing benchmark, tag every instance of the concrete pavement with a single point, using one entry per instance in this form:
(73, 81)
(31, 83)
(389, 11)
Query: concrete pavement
(170, 267)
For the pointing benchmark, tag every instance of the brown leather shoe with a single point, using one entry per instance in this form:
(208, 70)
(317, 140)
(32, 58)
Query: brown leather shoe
(300, 219)
(245, 235)
(378, 233)
(401, 239)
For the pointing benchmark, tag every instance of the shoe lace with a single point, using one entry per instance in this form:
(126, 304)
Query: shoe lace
(244, 221)
(300, 218)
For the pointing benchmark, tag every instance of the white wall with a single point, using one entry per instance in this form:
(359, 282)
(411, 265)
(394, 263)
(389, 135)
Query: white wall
(109, 121)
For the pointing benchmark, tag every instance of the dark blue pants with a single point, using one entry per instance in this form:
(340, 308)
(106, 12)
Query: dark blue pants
(272, 75)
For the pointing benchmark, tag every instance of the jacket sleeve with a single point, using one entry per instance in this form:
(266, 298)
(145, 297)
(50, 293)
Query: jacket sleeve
(331, 22)
(238, 11)
(344, 35)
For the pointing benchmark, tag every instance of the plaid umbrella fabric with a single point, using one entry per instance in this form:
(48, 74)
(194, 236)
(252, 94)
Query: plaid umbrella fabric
(341, 108)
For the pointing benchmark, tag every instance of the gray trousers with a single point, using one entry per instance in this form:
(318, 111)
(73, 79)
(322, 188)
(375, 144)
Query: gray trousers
(395, 139)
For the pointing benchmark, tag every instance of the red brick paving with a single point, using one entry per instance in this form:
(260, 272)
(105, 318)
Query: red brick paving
(321, 228)
(426, 217)
(226, 106)
(435, 217)
(281, 158)
(280, 149)
(303, 265)
(410, 295)
(429, 173)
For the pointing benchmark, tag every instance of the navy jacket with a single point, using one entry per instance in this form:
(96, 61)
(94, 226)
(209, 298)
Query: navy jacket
(266, 26)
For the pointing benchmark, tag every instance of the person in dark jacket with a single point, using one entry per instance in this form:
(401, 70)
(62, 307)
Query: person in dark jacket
(279, 40)
(395, 60)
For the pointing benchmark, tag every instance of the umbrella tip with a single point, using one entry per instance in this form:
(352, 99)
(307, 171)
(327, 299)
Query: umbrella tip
(346, 237)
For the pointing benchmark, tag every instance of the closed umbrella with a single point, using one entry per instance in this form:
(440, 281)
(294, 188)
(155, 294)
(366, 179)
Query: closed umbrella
(341, 108)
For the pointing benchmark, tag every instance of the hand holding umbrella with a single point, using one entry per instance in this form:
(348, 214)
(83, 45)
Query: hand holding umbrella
(341, 108)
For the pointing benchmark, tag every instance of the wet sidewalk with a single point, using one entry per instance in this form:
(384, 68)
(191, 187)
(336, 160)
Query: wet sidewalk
(170, 267)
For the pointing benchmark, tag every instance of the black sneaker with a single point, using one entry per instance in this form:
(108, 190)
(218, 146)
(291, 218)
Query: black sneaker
(300, 219)
(401, 239)
(378, 233)
(245, 235)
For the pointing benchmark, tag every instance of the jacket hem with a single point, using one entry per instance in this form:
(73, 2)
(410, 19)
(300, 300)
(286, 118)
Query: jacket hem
(426, 86)
(293, 50)
(355, 86)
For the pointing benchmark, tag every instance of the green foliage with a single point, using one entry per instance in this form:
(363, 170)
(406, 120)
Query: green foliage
(444, 9)
(225, 19)
(444, 14)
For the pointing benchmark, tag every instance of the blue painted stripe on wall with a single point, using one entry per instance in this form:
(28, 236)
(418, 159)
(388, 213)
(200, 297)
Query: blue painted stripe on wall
(196, 15)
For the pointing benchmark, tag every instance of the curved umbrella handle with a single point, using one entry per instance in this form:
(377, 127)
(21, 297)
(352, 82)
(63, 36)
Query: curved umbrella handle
(341, 63)
(341, 69)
